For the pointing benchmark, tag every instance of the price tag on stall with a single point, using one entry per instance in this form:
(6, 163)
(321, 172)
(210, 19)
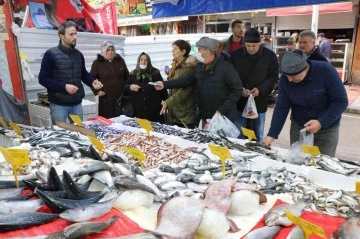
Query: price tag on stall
(76, 120)
(307, 227)
(250, 134)
(223, 153)
(140, 156)
(17, 158)
(313, 150)
(2, 122)
(357, 187)
(17, 129)
(145, 124)
(97, 143)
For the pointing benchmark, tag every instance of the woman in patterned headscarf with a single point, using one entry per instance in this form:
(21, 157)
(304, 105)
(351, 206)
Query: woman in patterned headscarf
(110, 69)
(147, 100)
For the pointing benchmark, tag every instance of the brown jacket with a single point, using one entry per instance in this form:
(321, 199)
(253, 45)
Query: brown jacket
(113, 76)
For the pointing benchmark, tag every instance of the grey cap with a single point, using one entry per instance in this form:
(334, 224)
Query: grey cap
(206, 42)
(294, 62)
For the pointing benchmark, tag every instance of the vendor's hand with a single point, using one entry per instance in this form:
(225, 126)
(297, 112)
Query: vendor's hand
(71, 89)
(218, 112)
(159, 85)
(313, 126)
(244, 93)
(255, 92)
(134, 87)
(164, 107)
(101, 93)
(268, 140)
(97, 84)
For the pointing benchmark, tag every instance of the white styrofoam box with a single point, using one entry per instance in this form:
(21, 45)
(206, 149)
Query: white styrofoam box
(45, 122)
(35, 120)
(89, 107)
(39, 110)
(7, 142)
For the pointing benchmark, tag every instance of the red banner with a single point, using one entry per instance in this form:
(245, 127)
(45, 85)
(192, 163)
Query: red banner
(304, 10)
(104, 17)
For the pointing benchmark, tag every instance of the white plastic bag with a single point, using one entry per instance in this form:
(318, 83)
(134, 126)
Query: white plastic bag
(306, 138)
(221, 125)
(296, 155)
(250, 110)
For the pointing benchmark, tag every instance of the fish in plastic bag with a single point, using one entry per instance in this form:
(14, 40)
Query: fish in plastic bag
(250, 110)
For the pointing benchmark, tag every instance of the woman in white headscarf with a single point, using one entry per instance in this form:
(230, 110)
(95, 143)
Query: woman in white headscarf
(111, 70)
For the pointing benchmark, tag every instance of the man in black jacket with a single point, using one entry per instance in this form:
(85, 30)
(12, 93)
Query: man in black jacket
(62, 73)
(307, 40)
(258, 70)
(217, 83)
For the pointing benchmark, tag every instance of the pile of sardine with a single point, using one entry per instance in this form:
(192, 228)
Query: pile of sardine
(156, 150)
(56, 138)
(102, 132)
(327, 201)
(340, 166)
(27, 131)
(159, 128)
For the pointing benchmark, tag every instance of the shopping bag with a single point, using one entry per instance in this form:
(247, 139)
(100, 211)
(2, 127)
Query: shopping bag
(296, 155)
(125, 106)
(221, 125)
(306, 138)
(250, 110)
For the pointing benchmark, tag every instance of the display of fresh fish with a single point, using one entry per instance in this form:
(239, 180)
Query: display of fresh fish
(125, 183)
(104, 177)
(24, 220)
(157, 127)
(73, 191)
(264, 233)
(218, 195)
(296, 233)
(10, 192)
(80, 230)
(349, 229)
(7, 207)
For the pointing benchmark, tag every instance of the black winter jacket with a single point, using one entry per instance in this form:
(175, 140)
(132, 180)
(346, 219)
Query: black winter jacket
(260, 70)
(316, 55)
(218, 88)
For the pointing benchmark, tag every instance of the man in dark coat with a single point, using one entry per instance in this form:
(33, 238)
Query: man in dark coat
(307, 43)
(62, 73)
(325, 45)
(258, 70)
(216, 81)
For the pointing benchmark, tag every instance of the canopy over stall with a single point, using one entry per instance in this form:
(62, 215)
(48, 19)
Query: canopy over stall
(200, 7)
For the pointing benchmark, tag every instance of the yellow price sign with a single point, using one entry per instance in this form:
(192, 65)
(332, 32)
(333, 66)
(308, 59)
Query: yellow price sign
(357, 187)
(97, 143)
(17, 158)
(250, 134)
(2, 122)
(313, 150)
(76, 120)
(17, 129)
(145, 124)
(223, 153)
(307, 227)
(140, 156)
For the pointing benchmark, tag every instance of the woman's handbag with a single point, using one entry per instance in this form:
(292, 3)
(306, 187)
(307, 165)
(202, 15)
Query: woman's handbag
(125, 106)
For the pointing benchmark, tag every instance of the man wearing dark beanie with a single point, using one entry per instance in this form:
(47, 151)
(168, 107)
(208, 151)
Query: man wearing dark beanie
(317, 98)
(258, 70)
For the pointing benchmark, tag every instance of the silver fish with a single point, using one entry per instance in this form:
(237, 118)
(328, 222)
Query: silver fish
(172, 185)
(104, 177)
(276, 216)
(196, 187)
(149, 235)
(349, 229)
(24, 220)
(10, 192)
(91, 167)
(20, 206)
(204, 178)
(296, 233)
(82, 214)
(80, 230)
(264, 233)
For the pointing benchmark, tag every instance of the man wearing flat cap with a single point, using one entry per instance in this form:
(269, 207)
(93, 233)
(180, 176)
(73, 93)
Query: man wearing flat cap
(325, 45)
(258, 70)
(317, 98)
(217, 83)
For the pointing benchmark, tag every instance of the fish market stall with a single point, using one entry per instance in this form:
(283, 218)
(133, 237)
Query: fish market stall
(180, 189)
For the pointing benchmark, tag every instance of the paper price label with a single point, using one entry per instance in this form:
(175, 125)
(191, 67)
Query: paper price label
(76, 120)
(16, 128)
(145, 124)
(17, 158)
(2, 122)
(250, 134)
(307, 227)
(137, 154)
(358, 187)
(97, 143)
(223, 153)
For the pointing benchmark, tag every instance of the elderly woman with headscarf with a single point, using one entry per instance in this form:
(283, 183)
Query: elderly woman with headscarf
(111, 70)
(147, 100)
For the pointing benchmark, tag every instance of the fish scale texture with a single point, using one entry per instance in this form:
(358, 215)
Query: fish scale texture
(123, 226)
(329, 223)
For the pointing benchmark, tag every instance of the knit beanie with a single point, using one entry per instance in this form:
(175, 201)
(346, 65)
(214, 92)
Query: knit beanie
(252, 36)
(294, 62)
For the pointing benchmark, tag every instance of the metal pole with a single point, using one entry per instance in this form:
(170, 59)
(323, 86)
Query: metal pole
(315, 19)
